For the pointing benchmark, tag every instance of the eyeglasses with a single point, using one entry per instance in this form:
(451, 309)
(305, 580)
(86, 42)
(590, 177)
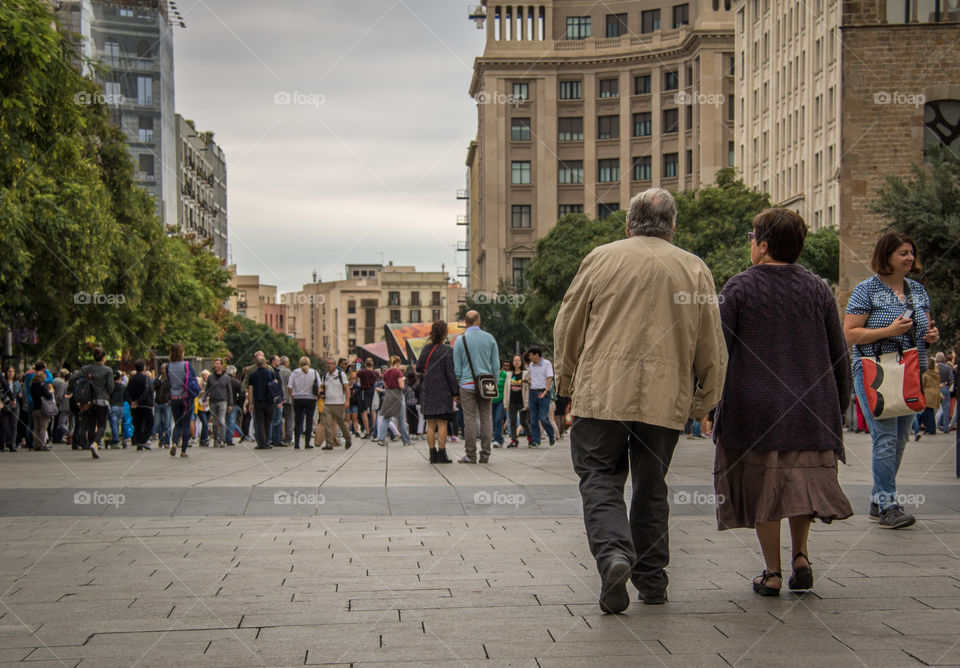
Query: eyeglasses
(751, 236)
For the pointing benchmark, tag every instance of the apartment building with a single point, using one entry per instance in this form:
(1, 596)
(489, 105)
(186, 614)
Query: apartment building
(580, 106)
(257, 301)
(201, 187)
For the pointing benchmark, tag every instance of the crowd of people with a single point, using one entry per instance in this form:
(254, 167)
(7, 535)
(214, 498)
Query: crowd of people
(97, 407)
(767, 361)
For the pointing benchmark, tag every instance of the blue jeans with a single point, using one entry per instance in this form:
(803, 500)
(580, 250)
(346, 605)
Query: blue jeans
(231, 424)
(539, 414)
(116, 423)
(889, 440)
(203, 429)
(276, 425)
(499, 415)
(181, 411)
(944, 422)
(164, 418)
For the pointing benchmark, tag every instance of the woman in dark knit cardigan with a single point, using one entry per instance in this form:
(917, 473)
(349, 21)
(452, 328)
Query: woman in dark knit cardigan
(778, 432)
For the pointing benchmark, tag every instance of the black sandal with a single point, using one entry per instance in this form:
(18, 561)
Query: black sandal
(802, 578)
(762, 588)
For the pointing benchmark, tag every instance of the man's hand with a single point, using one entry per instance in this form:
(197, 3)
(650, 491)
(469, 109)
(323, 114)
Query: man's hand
(542, 394)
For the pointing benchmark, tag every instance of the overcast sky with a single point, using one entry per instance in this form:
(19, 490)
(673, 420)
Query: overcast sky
(365, 159)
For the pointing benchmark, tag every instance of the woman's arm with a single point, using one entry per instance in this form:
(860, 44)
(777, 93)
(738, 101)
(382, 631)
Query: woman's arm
(856, 332)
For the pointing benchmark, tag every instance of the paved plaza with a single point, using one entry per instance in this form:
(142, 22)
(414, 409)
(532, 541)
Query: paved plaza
(234, 557)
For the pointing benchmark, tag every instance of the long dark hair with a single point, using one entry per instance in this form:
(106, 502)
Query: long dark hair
(438, 332)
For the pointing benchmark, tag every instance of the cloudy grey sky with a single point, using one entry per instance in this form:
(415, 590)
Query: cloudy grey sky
(367, 156)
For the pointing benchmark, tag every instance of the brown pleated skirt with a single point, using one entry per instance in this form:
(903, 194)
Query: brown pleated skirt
(761, 486)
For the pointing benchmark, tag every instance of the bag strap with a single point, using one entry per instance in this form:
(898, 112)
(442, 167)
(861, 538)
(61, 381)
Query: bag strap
(876, 345)
(427, 363)
(467, 350)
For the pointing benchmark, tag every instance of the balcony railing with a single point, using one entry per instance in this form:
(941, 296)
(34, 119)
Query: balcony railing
(463, 220)
(463, 194)
(463, 246)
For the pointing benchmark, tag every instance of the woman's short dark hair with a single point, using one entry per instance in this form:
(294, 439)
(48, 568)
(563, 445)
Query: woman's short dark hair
(886, 246)
(140, 365)
(176, 352)
(39, 366)
(783, 230)
(438, 332)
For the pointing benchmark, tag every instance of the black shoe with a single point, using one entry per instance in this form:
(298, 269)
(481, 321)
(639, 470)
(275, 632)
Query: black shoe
(484, 460)
(308, 447)
(802, 578)
(264, 447)
(433, 455)
(874, 512)
(894, 518)
(442, 457)
(346, 446)
(762, 588)
(653, 597)
(552, 440)
(613, 587)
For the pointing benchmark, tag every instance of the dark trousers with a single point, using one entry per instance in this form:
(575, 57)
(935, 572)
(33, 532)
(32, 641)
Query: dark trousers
(262, 418)
(604, 452)
(142, 424)
(288, 423)
(96, 419)
(413, 420)
(8, 429)
(518, 415)
(182, 410)
(79, 430)
(303, 410)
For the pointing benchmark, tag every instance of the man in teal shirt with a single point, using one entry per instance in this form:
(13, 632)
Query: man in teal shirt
(486, 360)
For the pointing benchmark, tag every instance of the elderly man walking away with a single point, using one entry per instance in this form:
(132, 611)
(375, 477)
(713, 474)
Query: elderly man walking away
(637, 326)
(475, 354)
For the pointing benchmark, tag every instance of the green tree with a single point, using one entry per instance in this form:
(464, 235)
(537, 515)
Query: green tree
(500, 315)
(926, 206)
(821, 254)
(245, 337)
(713, 223)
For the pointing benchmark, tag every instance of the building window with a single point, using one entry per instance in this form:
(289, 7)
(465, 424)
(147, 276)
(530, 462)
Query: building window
(570, 90)
(415, 315)
(112, 89)
(521, 91)
(145, 91)
(435, 298)
(146, 164)
(609, 87)
(570, 129)
(669, 165)
(393, 299)
(520, 172)
(578, 27)
(941, 125)
(605, 210)
(566, 209)
(414, 298)
(670, 121)
(520, 129)
(608, 127)
(520, 271)
(394, 316)
(671, 80)
(681, 15)
(689, 161)
(351, 324)
(520, 216)
(642, 169)
(351, 306)
(616, 25)
(126, 12)
(608, 171)
(641, 84)
(146, 129)
(642, 124)
(436, 314)
(570, 171)
(689, 116)
(730, 153)
(650, 20)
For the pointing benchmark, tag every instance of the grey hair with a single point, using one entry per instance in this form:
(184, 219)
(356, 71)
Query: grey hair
(653, 213)
(231, 370)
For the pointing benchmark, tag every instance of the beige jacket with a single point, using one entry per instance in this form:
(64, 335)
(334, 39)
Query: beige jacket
(639, 321)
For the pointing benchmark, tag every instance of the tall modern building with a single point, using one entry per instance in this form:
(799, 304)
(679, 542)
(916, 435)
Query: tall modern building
(788, 103)
(201, 187)
(581, 105)
(133, 41)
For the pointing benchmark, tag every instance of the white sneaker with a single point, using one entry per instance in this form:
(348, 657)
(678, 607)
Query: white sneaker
(95, 450)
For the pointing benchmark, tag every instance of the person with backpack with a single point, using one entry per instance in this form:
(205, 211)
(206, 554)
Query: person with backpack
(336, 395)
(304, 386)
(183, 389)
(139, 393)
(411, 401)
(44, 406)
(261, 398)
(219, 392)
(94, 399)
